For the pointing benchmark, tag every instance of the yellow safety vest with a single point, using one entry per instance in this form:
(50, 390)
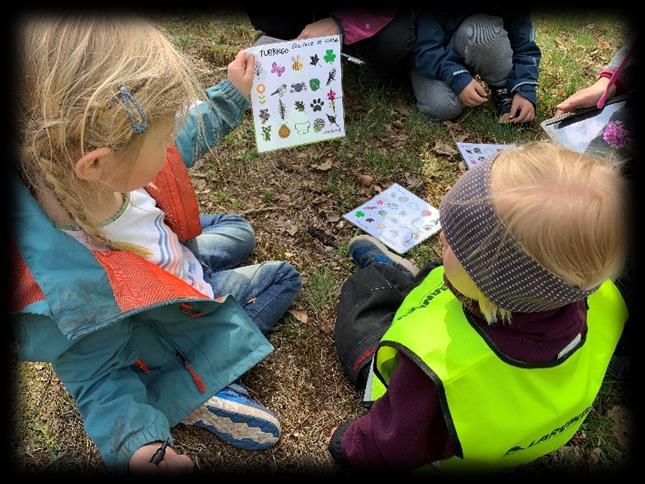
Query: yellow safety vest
(499, 412)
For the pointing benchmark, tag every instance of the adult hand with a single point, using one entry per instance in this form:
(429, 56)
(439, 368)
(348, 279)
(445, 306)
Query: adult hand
(586, 97)
(172, 463)
(240, 71)
(320, 28)
(522, 110)
(473, 94)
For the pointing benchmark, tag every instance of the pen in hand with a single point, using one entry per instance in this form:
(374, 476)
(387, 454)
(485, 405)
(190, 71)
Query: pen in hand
(161, 451)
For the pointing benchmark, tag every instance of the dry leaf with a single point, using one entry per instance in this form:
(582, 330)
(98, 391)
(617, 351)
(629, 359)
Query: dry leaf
(300, 314)
(412, 181)
(398, 124)
(332, 218)
(340, 224)
(462, 167)
(594, 457)
(505, 118)
(326, 166)
(457, 132)
(443, 148)
(289, 254)
(366, 180)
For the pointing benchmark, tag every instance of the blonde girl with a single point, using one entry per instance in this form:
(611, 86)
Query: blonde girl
(134, 297)
(494, 357)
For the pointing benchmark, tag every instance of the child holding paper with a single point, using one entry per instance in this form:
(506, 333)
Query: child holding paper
(132, 296)
(495, 357)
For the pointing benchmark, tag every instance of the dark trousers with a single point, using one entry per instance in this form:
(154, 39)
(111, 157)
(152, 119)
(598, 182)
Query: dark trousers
(369, 299)
(388, 49)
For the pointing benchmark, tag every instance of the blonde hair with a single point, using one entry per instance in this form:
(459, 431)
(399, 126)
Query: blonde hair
(72, 68)
(566, 210)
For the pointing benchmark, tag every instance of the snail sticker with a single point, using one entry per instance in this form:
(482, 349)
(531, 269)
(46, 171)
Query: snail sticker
(297, 92)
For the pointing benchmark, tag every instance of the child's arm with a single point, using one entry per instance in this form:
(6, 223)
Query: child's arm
(523, 78)
(434, 60)
(110, 398)
(403, 430)
(209, 121)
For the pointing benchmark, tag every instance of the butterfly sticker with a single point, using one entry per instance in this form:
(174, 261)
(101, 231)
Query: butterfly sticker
(276, 69)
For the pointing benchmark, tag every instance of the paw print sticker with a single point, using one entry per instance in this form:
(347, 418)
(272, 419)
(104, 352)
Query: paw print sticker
(317, 104)
(329, 56)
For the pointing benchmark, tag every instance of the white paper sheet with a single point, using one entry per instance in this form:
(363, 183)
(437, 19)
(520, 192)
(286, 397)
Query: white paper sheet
(297, 94)
(474, 153)
(397, 217)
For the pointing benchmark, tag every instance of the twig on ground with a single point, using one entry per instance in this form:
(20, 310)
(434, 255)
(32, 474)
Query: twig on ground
(263, 209)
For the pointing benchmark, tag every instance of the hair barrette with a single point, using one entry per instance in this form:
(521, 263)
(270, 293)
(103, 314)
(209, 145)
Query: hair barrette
(139, 125)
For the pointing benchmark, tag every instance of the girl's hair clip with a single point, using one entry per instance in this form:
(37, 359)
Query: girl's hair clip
(138, 125)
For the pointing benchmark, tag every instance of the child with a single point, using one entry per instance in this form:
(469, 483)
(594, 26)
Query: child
(452, 46)
(131, 295)
(494, 358)
(382, 37)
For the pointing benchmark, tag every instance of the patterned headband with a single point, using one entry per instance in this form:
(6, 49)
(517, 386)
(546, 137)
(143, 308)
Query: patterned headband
(494, 260)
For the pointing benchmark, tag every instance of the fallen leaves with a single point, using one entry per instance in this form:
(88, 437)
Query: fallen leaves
(457, 131)
(326, 166)
(365, 180)
(443, 148)
(300, 314)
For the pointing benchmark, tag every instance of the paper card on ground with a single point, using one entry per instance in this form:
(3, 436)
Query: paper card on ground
(474, 153)
(397, 217)
(297, 94)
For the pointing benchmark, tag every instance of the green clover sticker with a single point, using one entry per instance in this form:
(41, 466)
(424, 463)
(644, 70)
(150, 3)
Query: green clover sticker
(329, 56)
(360, 214)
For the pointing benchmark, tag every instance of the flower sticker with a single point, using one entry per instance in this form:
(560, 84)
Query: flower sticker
(331, 95)
(329, 56)
(615, 134)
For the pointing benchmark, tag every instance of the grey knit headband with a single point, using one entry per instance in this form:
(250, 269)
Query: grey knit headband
(492, 257)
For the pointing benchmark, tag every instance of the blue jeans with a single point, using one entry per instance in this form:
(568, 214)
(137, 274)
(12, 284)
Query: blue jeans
(264, 290)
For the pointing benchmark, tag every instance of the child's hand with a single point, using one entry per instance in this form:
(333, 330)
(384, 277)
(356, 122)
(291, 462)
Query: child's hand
(240, 72)
(171, 462)
(585, 98)
(320, 28)
(522, 110)
(331, 434)
(473, 94)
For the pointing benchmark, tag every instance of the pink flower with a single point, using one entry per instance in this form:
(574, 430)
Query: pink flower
(331, 95)
(615, 134)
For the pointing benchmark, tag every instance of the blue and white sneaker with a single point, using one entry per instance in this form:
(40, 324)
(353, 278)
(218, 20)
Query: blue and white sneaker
(366, 250)
(238, 419)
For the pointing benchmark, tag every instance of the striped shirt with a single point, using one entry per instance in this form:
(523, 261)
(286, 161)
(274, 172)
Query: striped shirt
(141, 222)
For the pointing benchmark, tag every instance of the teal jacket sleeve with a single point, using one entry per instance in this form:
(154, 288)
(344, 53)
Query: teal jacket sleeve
(110, 396)
(210, 121)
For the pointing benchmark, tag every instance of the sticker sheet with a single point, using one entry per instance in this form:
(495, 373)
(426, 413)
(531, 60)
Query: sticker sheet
(397, 217)
(474, 153)
(297, 94)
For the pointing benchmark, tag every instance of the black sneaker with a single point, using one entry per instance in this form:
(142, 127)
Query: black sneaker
(502, 99)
